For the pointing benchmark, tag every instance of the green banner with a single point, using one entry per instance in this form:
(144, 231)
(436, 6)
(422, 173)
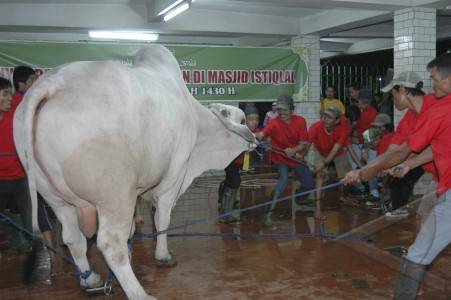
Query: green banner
(211, 73)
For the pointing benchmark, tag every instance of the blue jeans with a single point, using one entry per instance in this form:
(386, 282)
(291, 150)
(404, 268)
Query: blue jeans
(374, 188)
(302, 173)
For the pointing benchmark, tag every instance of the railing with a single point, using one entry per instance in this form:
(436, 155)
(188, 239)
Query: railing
(342, 75)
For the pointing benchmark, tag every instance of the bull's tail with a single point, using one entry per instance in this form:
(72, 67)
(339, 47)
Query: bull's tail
(37, 265)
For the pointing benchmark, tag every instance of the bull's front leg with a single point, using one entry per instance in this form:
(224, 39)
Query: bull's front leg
(164, 205)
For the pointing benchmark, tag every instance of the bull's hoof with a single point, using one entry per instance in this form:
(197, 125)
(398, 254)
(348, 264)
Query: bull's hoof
(166, 263)
(94, 281)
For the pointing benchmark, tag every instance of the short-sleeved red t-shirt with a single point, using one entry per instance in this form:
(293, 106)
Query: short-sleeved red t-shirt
(324, 141)
(407, 125)
(367, 117)
(10, 166)
(433, 128)
(285, 135)
(384, 143)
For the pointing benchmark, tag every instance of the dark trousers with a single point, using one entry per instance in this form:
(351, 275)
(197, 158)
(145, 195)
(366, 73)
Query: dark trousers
(233, 178)
(401, 188)
(16, 195)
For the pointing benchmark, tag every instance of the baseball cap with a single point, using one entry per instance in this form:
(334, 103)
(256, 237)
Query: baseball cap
(408, 79)
(381, 120)
(285, 102)
(332, 111)
(365, 96)
(251, 110)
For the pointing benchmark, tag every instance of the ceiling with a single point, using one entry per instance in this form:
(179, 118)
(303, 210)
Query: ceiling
(345, 26)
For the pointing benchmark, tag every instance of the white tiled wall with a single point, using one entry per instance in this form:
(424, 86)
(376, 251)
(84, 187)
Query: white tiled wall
(414, 44)
(414, 48)
(309, 107)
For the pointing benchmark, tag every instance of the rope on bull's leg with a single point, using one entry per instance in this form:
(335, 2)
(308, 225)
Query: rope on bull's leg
(107, 288)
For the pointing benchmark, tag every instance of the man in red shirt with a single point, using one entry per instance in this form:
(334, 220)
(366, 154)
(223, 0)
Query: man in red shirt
(13, 182)
(407, 93)
(13, 187)
(378, 138)
(431, 128)
(367, 115)
(383, 124)
(329, 137)
(288, 132)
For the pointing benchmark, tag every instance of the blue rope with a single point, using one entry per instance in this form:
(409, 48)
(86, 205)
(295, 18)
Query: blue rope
(83, 275)
(21, 228)
(8, 154)
(87, 273)
(221, 216)
(202, 221)
(242, 235)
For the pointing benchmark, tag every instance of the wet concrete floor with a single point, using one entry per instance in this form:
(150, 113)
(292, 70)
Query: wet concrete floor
(258, 268)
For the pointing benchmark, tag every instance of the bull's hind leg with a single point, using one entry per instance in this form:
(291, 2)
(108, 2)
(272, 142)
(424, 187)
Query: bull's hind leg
(76, 242)
(115, 225)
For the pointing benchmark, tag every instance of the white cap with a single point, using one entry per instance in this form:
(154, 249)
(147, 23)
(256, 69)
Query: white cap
(408, 79)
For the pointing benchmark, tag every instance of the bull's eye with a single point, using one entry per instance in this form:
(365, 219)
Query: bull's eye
(225, 113)
(243, 121)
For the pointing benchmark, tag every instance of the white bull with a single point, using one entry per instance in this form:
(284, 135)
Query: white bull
(95, 135)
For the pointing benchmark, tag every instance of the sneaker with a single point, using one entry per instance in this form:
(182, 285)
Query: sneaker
(230, 220)
(370, 203)
(303, 207)
(373, 200)
(398, 213)
(352, 190)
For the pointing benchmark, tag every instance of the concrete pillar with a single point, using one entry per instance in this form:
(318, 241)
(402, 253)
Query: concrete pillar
(414, 47)
(308, 107)
(414, 44)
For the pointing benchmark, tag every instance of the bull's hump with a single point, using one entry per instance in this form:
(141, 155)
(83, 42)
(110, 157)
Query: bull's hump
(156, 56)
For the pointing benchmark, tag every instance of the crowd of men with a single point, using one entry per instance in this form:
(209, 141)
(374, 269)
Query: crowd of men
(361, 138)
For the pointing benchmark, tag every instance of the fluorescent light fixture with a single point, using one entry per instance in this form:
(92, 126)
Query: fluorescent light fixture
(170, 7)
(179, 9)
(123, 35)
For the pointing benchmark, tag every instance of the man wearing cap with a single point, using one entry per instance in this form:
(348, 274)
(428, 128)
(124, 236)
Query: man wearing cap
(288, 133)
(407, 93)
(330, 100)
(329, 138)
(383, 123)
(367, 115)
(379, 138)
(272, 114)
(431, 128)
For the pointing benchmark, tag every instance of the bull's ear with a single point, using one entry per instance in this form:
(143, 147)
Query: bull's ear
(222, 113)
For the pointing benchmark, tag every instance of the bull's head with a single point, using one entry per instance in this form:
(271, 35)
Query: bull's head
(234, 120)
